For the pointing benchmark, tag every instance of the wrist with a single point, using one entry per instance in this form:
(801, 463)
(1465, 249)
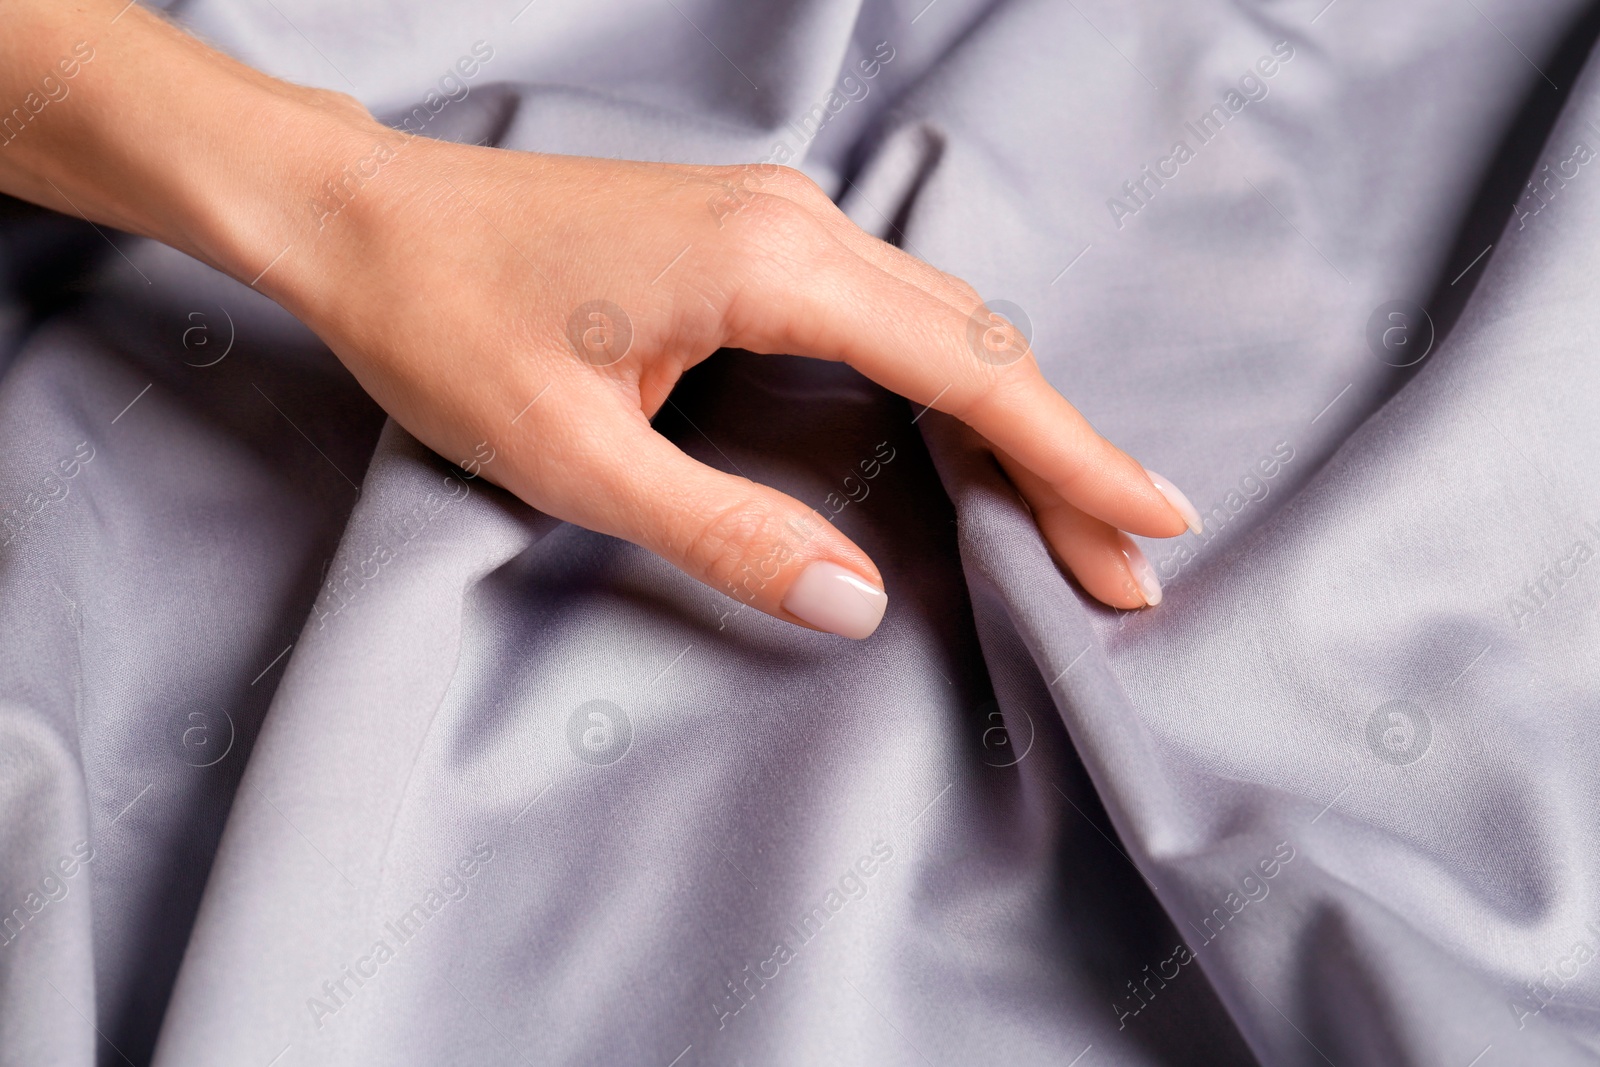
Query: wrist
(275, 210)
(151, 132)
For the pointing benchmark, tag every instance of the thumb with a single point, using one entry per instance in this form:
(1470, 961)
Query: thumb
(746, 540)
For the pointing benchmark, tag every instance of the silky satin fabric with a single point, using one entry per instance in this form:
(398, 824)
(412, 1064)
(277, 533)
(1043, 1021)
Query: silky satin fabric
(355, 759)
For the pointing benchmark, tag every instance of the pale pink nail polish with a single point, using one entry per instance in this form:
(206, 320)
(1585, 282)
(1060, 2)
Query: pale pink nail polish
(1144, 575)
(1175, 497)
(837, 600)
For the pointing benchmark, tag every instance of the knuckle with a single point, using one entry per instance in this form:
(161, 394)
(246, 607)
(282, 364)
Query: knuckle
(739, 548)
(774, 241)
(750, 177)
(748, 189)
(989, 394)
(335, 102)
(795, 184)
(776, 218)
(771, 178)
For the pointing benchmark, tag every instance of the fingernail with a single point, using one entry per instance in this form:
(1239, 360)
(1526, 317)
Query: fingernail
(834, 599)
(1175, 497)
(1144, 575)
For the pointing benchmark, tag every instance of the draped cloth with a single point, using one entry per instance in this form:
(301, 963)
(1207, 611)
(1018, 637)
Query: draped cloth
(316, 749)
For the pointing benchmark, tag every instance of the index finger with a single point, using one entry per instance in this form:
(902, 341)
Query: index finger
(938, 355)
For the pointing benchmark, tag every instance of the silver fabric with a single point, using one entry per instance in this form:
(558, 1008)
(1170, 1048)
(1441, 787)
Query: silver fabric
(315, 750)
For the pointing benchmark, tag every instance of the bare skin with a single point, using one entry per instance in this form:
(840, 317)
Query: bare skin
(460, 283)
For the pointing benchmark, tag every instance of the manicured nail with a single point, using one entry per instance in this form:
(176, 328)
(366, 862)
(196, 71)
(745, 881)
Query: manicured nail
(1179, 502)
(1144, 575)
(834, 599)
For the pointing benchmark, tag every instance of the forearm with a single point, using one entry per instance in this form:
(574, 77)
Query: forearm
(112, 114)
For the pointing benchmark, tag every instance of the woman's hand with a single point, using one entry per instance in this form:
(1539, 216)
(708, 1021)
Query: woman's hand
(540, 309)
